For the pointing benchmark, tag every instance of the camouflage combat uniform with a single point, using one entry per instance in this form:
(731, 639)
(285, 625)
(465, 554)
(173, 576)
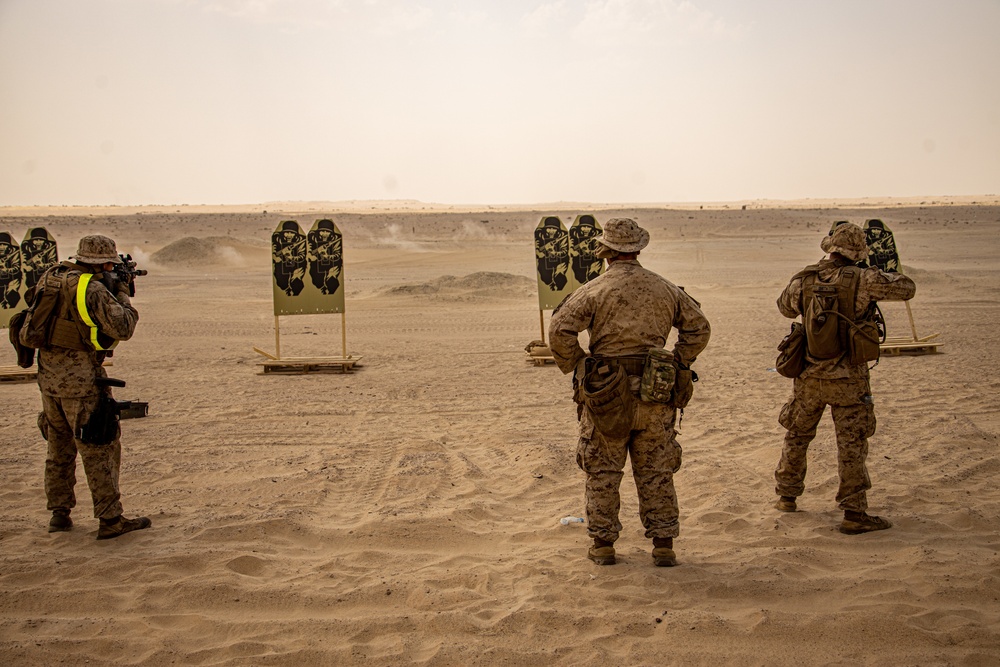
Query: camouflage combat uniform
(66, 380)
(627, 310)
(839, 384)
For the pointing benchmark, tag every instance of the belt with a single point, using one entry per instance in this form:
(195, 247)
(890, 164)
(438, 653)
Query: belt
(632, 363)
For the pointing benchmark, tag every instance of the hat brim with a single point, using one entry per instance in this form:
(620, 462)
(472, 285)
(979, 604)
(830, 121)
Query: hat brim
(853, 254)
(95, 259)
(627, 247)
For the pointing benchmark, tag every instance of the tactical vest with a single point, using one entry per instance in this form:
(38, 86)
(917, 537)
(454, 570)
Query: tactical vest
(828, 311)
(74, 327)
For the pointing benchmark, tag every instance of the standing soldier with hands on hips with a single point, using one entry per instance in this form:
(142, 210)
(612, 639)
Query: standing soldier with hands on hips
(91, 313)
(837, 301)
(628, 387)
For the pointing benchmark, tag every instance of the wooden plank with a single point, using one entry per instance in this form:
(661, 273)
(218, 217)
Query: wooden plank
(17, 374)
(309, 365)
(890, 340)
(897, 349)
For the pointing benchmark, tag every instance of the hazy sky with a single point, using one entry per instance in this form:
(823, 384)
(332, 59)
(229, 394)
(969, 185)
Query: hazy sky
(496, 102)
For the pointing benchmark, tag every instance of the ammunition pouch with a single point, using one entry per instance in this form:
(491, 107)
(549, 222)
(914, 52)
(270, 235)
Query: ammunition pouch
(608, 397)
(659, 375)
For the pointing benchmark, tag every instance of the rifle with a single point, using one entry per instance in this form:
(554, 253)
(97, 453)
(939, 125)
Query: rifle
(126, 272)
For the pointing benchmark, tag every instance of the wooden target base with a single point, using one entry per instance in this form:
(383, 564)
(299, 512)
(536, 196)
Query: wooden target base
(301, 365)
(895, 347)
(18, 374)
(539, 353)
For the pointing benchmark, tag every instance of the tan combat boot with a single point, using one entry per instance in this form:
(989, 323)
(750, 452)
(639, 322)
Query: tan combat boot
(120, 525)
(785, 504)
(663, 552)
(60, 521)
(602, 553)
(855, 523)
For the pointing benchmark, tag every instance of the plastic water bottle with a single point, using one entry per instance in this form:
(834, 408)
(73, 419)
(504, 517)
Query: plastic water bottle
(566, 520)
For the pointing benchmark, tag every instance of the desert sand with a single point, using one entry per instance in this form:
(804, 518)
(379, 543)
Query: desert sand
(408, 513)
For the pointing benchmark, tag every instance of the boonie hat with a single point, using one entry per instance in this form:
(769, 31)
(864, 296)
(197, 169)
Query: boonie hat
(848, 240)
(623, 235)
(97, 249)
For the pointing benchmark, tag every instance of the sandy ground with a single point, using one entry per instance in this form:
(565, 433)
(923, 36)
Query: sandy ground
(408, 513)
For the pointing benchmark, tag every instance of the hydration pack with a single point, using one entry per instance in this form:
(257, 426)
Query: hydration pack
(832, 327)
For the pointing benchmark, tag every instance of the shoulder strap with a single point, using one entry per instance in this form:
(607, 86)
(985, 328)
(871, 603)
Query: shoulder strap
(850, 278)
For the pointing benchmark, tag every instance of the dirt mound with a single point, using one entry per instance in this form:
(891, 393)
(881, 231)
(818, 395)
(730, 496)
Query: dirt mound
(208, 251)
(481, 283)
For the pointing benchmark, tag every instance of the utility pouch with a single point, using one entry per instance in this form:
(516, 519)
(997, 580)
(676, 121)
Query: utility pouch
(102, 427)
(791, 359)
(608, 397)
(25, 353)
(658, 375)
(863, 342)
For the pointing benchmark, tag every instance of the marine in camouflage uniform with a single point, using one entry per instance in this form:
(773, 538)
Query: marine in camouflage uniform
(837, 383)
(626, 311)
(67, 380)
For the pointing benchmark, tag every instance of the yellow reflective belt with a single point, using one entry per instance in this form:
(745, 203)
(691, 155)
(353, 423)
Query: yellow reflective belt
(81, 306)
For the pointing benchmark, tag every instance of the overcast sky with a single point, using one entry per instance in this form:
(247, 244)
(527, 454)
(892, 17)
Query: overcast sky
(496, 102)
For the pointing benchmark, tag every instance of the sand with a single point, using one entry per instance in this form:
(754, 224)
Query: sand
(408, 513)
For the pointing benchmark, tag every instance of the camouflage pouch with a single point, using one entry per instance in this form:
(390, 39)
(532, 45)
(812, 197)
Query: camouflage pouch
(658, 376)
(609, 399)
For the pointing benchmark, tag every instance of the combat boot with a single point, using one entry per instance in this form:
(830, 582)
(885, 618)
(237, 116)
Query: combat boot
(663, 552)
(120, 525)
(602, 553)
(785, 504)
(855, 523)
(60, 521)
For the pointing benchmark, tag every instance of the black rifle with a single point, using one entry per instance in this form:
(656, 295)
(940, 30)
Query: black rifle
(126, 272)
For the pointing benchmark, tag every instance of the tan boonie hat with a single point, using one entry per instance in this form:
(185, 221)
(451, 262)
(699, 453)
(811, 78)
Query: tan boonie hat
(846, 239)
(97, 249)
(623, 235)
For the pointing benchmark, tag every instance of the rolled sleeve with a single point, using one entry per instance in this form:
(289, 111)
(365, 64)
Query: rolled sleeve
(568, 320)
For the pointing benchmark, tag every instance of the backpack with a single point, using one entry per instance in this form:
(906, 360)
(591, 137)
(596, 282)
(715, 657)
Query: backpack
(832, 327)
(36, 326)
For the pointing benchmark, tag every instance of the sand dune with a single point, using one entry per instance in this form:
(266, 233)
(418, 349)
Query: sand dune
(408, 513)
